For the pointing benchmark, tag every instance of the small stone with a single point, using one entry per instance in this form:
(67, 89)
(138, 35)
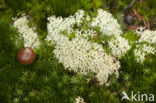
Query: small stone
(26, 56)
(129, 19)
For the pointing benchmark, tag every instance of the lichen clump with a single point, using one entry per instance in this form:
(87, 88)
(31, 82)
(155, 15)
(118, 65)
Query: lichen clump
(79, 54)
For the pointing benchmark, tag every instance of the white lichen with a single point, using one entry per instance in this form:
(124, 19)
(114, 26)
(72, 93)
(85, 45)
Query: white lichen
(142, 50)
(79, 54)
(85, 33)
(57, 25)
(82, 56)
(145, 36)
(79, 100)
(27, 33)
(108, 25)
(148, 36)
(119, 46)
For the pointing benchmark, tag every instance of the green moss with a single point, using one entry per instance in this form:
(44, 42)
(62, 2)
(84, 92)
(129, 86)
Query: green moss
(46, 80)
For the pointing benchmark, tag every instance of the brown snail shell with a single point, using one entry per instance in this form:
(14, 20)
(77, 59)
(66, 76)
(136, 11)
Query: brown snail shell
(26, 55)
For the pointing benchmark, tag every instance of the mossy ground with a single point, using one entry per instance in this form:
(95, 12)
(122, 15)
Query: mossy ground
(46, 80)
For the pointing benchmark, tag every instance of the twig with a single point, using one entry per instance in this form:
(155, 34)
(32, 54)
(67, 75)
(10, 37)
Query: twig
(33, 42)
(0, 5)
(133, 27)
(148, 25)
(129, 6)
(95, 37)
(141, 1)
(140, 18)
(137, 15)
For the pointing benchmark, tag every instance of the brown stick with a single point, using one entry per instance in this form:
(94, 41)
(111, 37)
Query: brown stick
(148, 25)
(140, 18)
(129, 6)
